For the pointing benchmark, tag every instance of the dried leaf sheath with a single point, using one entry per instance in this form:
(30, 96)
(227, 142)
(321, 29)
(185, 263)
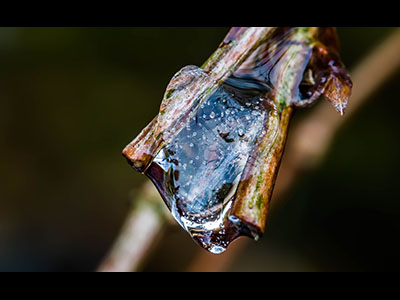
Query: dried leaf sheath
(214, 149)
(254, 193)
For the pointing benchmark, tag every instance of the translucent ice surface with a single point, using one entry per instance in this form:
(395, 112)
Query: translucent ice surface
(198, 171)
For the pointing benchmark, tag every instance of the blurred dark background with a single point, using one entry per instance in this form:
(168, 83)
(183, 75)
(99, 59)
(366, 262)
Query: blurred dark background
(72, 98)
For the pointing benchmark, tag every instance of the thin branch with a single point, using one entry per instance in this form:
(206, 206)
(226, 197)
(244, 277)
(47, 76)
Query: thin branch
(308, 143)
(139, 234)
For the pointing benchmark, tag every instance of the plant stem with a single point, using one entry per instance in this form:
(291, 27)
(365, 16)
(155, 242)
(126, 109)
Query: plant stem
(309, 141)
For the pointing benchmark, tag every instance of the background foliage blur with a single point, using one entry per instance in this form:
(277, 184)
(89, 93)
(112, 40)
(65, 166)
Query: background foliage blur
(72, 98)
